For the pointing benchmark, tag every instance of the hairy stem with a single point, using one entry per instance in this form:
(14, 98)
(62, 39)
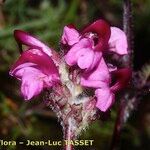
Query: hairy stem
(128, 29)
(68, 135)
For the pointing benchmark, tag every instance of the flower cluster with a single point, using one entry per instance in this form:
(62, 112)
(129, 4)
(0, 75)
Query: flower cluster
(86, 50)
(37, 67)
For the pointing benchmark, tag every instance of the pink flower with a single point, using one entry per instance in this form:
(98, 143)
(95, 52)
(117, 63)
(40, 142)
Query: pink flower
(86, 47)
(85, 51)
(118, 41)
(83, 55)
(100, 32)
(100, 80)
(105, 98)
(70, 35)
(34, 68)
(106, 95)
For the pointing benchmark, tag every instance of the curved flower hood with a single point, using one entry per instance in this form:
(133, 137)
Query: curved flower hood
(35, 68)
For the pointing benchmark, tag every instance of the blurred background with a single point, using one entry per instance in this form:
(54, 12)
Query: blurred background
(20, 120)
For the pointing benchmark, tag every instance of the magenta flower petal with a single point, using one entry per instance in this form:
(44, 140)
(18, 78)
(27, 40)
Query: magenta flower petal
(105, 98)
(118, 41)
(96, 59)
(70, 36)
(86, 58)
(44, 62)
(123, 77)
(77, 51)
(36, 70)
(97, 78)
(102, 29)
(92, 83)
(85, 51)
(19, 70)
(31, 85)
(26, 39)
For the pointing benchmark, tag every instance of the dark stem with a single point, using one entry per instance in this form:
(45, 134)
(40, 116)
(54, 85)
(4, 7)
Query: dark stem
(128, 61)
(128, 29)
(118, 126)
